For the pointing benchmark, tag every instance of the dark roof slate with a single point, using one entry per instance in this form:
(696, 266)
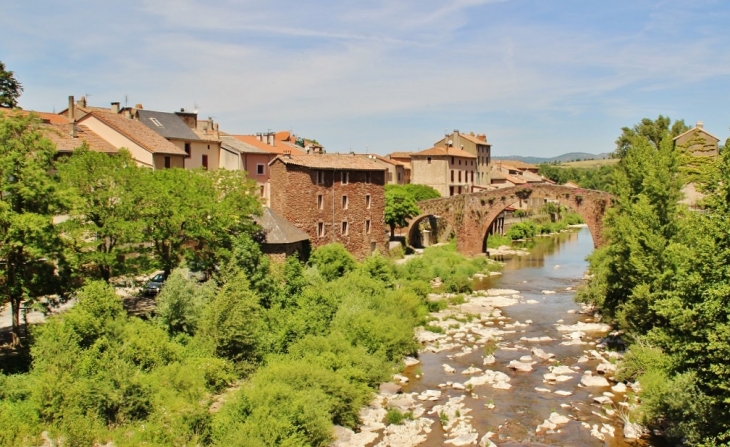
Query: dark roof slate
(279, 230)
(170, 125)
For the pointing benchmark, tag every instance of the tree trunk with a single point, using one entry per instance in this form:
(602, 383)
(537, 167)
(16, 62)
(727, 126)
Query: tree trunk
(392, 231)
(15, 310)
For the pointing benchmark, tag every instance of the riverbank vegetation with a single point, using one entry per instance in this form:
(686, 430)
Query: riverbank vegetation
(663, 279)
(597, 177)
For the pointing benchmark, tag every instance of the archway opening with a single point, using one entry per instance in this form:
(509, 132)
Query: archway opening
(427, 230)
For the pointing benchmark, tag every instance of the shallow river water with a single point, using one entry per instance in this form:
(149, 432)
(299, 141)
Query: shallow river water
(555, 264)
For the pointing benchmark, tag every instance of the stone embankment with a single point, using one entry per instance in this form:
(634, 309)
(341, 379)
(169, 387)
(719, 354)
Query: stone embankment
(477, 331)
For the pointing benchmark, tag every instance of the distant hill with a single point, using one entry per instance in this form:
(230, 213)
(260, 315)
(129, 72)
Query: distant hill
(570, 156)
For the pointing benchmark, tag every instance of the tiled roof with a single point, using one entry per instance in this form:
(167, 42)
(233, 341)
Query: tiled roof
(519, 165)
(61, 136)
(444, 152)
(401, 154)
(498, 175)
(207, 135)
(700, 129)
(472, 138)
(531, 177)
(279, 230)
(137, 132)
(169, 125)
(344, 162)
(514, 180)
(383, 159)
(571, 185)
(233, 143)
(279, 148)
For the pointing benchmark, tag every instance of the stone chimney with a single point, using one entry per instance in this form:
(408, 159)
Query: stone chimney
(115, 107)
(455, 140)
(82, 102)
(700, 125)
(190, 118)
(216, 134)
(287, 154)
(482, 137)
(138, 106)
(71, 109)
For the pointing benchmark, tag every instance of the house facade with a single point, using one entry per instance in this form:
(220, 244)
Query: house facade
(450, 171)
(332, 198)
(475, 145)
(396, 173)
(699, 142)
(404, 158)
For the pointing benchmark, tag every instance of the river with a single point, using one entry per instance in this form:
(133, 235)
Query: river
(555, 264)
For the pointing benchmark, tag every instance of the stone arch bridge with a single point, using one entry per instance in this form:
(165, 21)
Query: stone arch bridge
(469, 216)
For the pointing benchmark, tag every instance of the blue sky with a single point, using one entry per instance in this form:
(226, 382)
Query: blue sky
(538, 77)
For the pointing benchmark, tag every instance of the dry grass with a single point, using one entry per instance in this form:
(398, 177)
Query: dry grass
(589, 163)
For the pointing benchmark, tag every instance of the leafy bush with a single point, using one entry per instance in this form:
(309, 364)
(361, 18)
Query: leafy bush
(181, 302)
(522, 230)
(332, 261)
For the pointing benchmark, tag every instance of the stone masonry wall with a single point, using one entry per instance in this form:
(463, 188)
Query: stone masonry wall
(470, 215)
(294, 195)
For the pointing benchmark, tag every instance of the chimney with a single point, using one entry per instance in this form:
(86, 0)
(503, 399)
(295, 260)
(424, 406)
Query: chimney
(72, 129)
(700, 125)
(127, 113)
(216, 134)
(259, 136)
(115, 107)
(71, 109)
(482, 137)
(272, 140)
(82, 102)
(138, 106)
(287, 154)
(456, 138)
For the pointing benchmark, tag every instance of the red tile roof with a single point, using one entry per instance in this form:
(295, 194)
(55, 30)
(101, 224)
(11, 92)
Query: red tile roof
(401, 154)
(444, 152)
(279, 148)
(137, 132)
(343, 162)
(60, 134)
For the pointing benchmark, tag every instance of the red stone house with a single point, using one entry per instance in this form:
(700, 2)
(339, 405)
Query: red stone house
(332, 198)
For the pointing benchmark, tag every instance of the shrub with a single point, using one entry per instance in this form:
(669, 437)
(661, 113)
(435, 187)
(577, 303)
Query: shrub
(181, 302)
(332, 261)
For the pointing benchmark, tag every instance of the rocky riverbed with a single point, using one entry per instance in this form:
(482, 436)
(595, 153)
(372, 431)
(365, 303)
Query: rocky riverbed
(486, 376)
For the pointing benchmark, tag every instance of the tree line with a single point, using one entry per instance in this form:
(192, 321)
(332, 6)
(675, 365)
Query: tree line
(663, 278)
(112, 217)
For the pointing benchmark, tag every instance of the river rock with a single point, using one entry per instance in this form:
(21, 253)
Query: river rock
(602, 399)
(497, 292)
(548, 292)
(619, 388)
(390, 389)
(520, 366)
(489, 360)
(497, 379)
(542, 390)
(584, 327)
(458, 386)
(400, 378)
(407, 434)
(571, 311)
(471, 370)
(532, 302)
(563, 393)
(448, 369)
(410, 361)
(562, 369)
(604, 368)
(526, 359)
(485, 441)
(632, 430)
(539, 353)
(463, 439)
(590, 380)
(552, 422)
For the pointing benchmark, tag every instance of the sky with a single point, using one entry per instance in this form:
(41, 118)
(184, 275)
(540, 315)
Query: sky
(538, 77)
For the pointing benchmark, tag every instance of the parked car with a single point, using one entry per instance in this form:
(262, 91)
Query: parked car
(154, 285)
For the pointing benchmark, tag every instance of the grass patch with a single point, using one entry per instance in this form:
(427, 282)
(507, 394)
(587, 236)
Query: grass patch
(396, 417)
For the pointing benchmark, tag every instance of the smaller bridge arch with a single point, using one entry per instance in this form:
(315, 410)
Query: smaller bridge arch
(470, 215)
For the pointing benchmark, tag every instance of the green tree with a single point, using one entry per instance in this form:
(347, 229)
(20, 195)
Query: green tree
(10, 88)
(29, 242)
(419, 192)
(399, 207)
(654, 131)
(332, 261)
(104, 195)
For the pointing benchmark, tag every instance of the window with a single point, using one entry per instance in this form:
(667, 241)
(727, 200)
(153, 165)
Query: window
(345, 177)
(205, 162)
(452, 175)
(367, 178)
(320, 202)
(259, 169)
(187, 150)
(344, 228)
(459, 176)
(320, 229)
(399, 177)
(262, 190)
(428, 160)
(367, 201)
(459, 162)
(367, 226)
(320, 177)
(167, 162)
(452, 160)
(155, 122)
(451, 190)
(345, 203)
(472, 176)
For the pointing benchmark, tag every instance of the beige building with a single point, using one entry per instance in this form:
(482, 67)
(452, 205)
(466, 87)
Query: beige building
(699, 142)
(476, 145)
(449, 170)
(396, 174)
(404, 158)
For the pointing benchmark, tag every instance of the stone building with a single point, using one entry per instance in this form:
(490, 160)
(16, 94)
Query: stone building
(698, 141)
(396, 174)
(450, 171)
(475, 145)
(332, 198)
(282, 239)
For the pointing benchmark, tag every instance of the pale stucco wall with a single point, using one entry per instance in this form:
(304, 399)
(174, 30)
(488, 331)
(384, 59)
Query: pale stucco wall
(140, 154)
(197, 150)
(434, 174)
(230, 160)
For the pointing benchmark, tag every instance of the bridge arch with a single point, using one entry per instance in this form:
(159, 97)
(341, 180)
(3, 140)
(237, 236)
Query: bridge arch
(470, 215)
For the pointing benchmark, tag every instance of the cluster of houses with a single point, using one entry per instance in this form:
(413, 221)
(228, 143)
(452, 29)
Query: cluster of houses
(311, 197)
